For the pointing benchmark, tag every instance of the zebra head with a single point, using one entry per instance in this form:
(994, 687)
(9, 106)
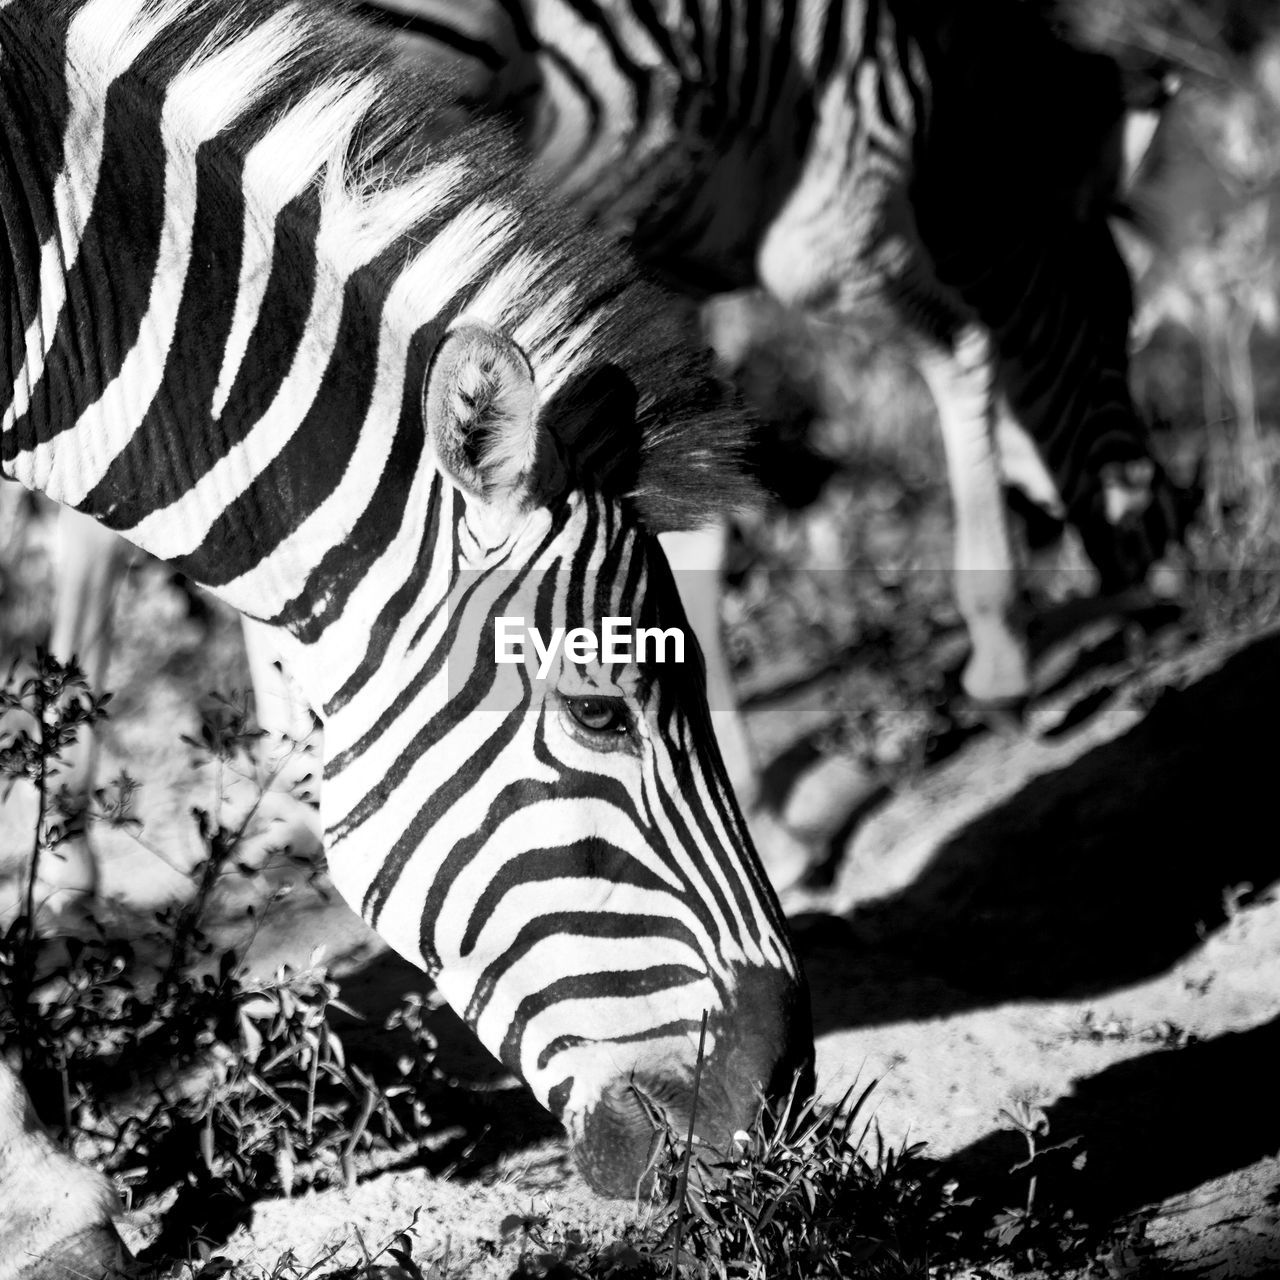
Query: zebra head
(574, 871)
(262, 302)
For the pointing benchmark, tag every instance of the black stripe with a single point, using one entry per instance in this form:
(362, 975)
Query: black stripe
(658, 33)
(461, 704)
(687, 1027)
(312, 462)
(176, 443)
(482, 51)
(783, 59)
(576, 927)
(750, 77)
(693, 12)
(109, 288)
(438, 803)
(832, 46)
(384, 626)
(591, 14)
(432, 665)
(515, 14)
(582, 87)
(639, 984)
(884, 99)
(904, 46)
(33, 119)
(343, 567)
(310, 466)
(723, 81)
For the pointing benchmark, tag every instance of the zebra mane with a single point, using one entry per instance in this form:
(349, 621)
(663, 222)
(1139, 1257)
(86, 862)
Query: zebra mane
(443, 209)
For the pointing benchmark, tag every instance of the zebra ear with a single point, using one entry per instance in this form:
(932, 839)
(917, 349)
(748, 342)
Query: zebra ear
(481, 412)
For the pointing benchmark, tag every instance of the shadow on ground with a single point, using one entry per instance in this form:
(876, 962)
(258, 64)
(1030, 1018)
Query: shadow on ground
(1091, 877)
(1151, 1127)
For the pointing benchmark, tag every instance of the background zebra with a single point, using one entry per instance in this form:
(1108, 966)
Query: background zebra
(859, 160)
(274, 318)
(943, 174)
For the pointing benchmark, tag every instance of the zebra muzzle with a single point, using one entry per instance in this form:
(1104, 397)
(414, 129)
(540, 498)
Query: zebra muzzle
(763, 1051)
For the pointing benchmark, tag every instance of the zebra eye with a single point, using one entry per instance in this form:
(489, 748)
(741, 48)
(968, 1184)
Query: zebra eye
(600, 715)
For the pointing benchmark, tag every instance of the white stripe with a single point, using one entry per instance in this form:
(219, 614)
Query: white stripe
(707, 870)
(440, 272)
(278, 169)
(549, 823)
(597, 1064)
(201, 102)
(103, 41)
(611, 1016)
(530, 901)
(555, 958)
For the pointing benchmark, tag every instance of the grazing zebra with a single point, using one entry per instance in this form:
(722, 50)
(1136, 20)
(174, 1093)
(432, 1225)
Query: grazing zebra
(274, 318)
(941, 172)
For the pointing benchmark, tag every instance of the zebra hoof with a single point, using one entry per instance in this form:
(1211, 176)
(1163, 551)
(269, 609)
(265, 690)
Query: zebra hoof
(94, 1251)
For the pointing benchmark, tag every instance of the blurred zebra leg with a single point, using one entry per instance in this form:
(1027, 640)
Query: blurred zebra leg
(55, 1219)
(1023, 468)
(998, 671)
(14, 506)
(91, 561)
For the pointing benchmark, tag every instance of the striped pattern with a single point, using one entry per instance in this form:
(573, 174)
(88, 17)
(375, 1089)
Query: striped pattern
(909, 167)
(243, 241)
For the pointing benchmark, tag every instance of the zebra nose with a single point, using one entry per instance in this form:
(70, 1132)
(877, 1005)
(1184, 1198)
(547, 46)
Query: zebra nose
(763, 1050)
(761, 1047)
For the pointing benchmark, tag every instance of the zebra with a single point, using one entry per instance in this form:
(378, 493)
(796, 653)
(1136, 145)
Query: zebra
(272, 315)
(942, 173)
(818, 147)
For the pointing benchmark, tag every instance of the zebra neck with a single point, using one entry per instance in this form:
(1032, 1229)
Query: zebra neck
(203, 348)
(131, 390)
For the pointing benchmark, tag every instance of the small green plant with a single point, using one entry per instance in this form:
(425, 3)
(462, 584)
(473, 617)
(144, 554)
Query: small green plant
(1088, 1028)
(261, 1097)
(1035, 1232)
(809, 1192)
(44, 712)
(393, 1260)
(236, 1085)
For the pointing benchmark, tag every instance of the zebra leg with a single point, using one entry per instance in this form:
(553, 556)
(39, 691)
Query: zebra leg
(90, 562)
(56, 1220)
(1023, 468)
(13, 519)
(998, 672)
